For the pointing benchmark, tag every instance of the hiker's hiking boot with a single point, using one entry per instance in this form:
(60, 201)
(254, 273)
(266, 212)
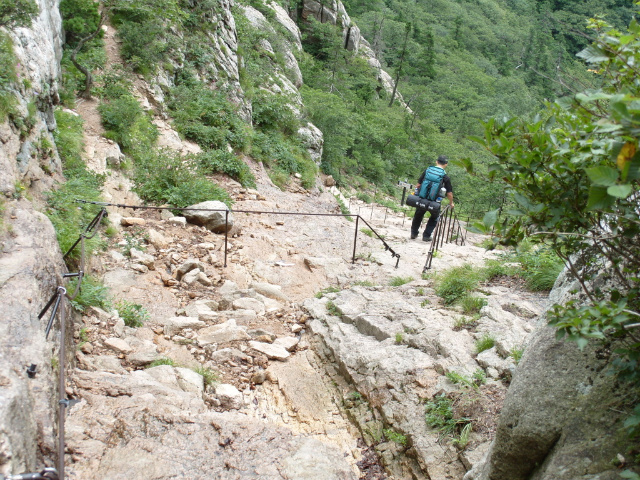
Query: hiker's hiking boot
(414, 236)
(426, 239)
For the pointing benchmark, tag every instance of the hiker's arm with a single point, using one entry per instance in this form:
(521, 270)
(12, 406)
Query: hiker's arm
(450, 197)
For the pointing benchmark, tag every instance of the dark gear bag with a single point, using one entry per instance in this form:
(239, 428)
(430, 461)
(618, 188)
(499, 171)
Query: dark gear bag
(423, 204)
(432, 183)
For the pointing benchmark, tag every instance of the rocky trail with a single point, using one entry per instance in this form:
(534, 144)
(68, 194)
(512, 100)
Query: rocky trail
(289, 362)
(331, 387)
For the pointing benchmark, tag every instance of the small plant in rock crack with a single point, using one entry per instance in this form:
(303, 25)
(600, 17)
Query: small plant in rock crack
(485, 343)
(398, 281)
(133, 314)
(367, 231)
(210, 377)
(516, 354)
(465, 322)
(479, 377)
(83, 337)
(163, 361)
(425, 302)
(355, 397)
(471, 304)
(463, 440)
(399, 338)
(332, 309)
(324, 291)
(439, 415)
(136, 238)
(394, 436)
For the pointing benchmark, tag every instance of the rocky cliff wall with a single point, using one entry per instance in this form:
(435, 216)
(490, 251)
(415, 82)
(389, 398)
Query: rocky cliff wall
(30, 259)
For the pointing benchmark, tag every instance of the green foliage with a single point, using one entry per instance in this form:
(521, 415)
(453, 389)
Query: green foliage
(324, 291)
(332, 309)
(127, 123)
(166, 178)
(222, 161)
(207, 117)
(163, 361)
(398, 281)
(367, 231)
(540, 268)
(456, 283)
(343, 208)
(472, 304)
(133, 314)
(80, 18)
(574, 171)
(136, 238)
(92, 293)
(395, 437)
(210, 377)
(69, 218)
(272, 112)
(17, 13)
(399, 338)
(439, 415)
(485, 342)
(8, 76)
(516, 354)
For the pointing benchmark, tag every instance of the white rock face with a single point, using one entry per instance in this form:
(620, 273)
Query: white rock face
(313, 139)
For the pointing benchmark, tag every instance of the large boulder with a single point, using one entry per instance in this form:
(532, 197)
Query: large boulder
(564, 411)
(212, 215)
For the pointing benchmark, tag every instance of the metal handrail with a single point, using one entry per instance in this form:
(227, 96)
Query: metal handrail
(447, 227)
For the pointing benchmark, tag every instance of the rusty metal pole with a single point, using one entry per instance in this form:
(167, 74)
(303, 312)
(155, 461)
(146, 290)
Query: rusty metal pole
(355, 238)
(63, 402)
(226, 235)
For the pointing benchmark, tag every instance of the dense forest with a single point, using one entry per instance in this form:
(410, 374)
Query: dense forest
(456, 63)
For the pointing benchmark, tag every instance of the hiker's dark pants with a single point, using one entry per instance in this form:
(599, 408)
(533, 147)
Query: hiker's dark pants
(417, 220)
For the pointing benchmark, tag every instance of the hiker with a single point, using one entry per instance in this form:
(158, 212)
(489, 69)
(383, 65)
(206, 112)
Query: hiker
(436, 178)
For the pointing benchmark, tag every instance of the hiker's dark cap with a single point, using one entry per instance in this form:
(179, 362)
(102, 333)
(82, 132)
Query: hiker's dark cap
(442, 160)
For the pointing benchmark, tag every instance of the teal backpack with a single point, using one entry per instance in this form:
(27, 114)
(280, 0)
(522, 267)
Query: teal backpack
(433, 180)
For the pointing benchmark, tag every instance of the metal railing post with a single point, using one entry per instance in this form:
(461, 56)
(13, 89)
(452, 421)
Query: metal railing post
(63, 403)
(355, 239)
(226, 235)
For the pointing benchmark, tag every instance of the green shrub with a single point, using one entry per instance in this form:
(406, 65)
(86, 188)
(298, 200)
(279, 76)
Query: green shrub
(127, 124)
(222, 161)
(207, 117)
(133, 314)
(456, 283)
(485, 343)
(365, 197)
(280, 178)
(166, 178)
(92, 293)
(68, 217)
(398, 281)
(367, 231)
(540, 268)
(471, 304)
(272, 112)
(399, 338)
(7, 76)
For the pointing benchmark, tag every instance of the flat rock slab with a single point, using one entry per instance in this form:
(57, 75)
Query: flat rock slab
(272, 351)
